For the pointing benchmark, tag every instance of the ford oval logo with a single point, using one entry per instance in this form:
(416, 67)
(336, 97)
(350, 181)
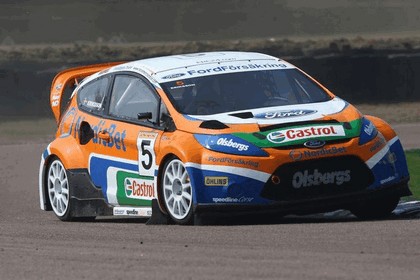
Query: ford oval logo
(284, 114)
(314, 144)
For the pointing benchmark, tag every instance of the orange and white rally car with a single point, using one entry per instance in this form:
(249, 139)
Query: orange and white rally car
(211, 132)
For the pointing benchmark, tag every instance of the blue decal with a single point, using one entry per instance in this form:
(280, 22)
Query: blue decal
(368, 131)
(240, 189)
(392, 168)
(229, 144)
(45, 154)
(98, 170)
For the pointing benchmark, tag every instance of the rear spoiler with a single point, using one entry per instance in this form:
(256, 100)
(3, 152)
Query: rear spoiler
(66, 77)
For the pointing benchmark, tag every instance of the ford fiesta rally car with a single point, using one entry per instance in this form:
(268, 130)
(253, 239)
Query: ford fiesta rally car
(213, 132)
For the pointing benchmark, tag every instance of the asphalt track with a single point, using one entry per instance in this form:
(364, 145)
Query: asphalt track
(36, 245)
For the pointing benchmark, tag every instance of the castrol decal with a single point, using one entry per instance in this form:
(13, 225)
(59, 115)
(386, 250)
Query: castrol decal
(299, 133)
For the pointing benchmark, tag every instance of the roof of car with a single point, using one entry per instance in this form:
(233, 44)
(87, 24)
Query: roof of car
(167, 68)
(165, 63)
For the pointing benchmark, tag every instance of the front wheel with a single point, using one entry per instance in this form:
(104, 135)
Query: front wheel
(378, 208)
(176, 192)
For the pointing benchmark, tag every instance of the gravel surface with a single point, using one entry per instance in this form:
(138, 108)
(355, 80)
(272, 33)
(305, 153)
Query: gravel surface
(36, 245)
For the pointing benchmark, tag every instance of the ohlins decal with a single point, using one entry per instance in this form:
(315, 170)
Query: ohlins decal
(308, 179)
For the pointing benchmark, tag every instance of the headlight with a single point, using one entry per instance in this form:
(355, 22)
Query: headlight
(368, 131)
(229, 144)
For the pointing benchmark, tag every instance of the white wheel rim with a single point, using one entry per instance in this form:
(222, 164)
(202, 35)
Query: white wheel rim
(177, 189)
(58, 188)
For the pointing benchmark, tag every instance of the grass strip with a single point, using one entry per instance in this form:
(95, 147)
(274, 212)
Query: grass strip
(413, 162)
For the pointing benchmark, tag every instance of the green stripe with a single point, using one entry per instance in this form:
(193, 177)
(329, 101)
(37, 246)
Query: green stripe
(260, 138)
(121, 195)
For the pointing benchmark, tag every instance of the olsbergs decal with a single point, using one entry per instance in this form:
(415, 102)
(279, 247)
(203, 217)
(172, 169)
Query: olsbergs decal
(307, 179)
(229, 144)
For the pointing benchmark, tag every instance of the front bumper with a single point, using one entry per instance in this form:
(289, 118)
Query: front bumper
(310, 205)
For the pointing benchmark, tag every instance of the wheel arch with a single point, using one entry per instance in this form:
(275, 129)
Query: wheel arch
(55, 151)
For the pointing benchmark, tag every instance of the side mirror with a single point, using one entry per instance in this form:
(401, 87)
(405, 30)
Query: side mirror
(86, 133)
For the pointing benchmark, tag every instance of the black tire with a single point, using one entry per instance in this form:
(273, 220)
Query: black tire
(176, 192)
(373, 209)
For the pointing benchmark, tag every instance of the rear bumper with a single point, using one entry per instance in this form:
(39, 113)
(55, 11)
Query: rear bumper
(310, 206)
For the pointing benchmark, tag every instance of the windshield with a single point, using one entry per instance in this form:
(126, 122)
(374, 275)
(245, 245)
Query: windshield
(243, 91)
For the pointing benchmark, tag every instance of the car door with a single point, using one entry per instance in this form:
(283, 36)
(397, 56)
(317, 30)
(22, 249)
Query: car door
(123, 153)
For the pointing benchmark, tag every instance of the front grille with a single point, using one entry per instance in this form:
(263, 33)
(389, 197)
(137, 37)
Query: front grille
(318, 178)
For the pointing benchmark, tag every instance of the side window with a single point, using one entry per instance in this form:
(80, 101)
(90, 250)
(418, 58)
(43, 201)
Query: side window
(91, 97)
(130, 97)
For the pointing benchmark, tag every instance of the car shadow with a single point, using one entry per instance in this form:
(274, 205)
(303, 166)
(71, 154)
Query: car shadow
(404, 211)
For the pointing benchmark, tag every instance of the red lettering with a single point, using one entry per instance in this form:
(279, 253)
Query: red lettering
(143, 189)
(290, 134)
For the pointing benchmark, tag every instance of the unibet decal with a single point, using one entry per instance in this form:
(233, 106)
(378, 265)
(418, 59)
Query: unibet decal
(293, 134)
(306, 179)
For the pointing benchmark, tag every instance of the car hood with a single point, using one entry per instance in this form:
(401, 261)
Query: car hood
(278, 114)
(335, 109)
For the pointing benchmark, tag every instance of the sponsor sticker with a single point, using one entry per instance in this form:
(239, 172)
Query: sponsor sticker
(139, 188)
(58, 87)
(369, 128)
(132, 211)
(116, 136)
(284, 114)
(242, 199)
(232, 144)
(314, 144)
(234, 161)
(173, 76)
(236, 68)
(229, 144)
(306, 178)
(387, 180)
(216, 181)
(298, 155)
(316, 131)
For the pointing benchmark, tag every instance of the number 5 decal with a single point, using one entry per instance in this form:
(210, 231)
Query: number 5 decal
(147, 158)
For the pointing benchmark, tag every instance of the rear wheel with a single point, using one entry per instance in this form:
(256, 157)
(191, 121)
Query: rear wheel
(377, 208)
(59, 190)
(176, 191)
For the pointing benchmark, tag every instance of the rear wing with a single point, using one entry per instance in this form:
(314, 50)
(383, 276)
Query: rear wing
(70, 77)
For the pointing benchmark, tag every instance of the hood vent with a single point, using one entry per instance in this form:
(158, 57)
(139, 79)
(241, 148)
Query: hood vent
(244, 115)
(213, 124)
